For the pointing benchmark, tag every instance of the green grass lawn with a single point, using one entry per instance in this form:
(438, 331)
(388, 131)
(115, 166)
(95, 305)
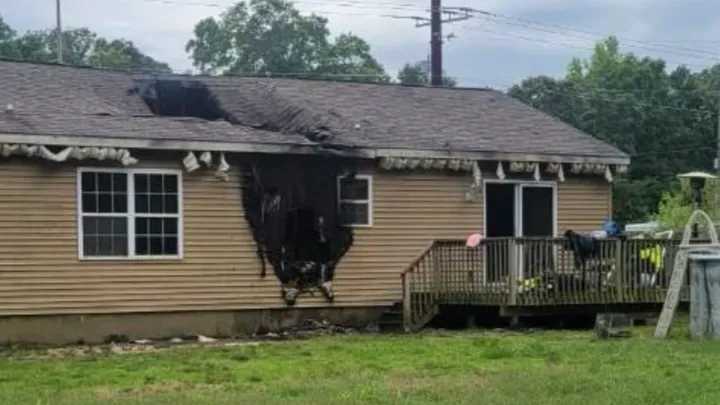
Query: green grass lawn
(468, 367)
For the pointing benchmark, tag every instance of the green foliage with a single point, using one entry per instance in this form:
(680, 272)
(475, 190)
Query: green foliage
(123, 54)
(676, 206)
(271, 36)
(664, 120)
(81, 47)
(417, 74)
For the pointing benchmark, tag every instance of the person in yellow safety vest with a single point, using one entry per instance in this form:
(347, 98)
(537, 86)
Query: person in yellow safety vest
(654, 255)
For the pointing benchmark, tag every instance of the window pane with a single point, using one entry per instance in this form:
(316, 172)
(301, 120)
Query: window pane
(104, 226)
(88, 182)
(119, 226)
(105, 246)
(120, 203)
(171, 183)
(90, 245)
(89, 226)
(156, 226)
(171, 203)
(141, 183)
(141, 203)
(141, 246)
(119, 182)
(105, 236)
(141, 226)
(170, 246)
(170, 226)
(120, 246)
(354, 214)
(156, 183)
(104, 182)
(354, 189)
(156, 203)
(156, 246)
(89, 202)
(105, 202)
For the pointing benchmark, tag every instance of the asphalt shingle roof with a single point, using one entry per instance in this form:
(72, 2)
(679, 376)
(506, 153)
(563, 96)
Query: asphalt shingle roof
(391, 116)
(55, 100)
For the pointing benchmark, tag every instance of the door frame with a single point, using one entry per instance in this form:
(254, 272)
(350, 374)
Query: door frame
(520, 184)
(518, 194)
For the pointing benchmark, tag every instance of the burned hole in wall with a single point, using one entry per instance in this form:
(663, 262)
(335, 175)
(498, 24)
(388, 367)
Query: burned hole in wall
(291, 205)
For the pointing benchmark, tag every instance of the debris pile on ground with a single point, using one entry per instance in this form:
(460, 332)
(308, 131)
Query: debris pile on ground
(123, 344)
(205, 339)
(308, 328)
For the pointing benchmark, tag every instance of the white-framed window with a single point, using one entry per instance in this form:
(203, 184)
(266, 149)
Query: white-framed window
(355, 200)
(129, 214)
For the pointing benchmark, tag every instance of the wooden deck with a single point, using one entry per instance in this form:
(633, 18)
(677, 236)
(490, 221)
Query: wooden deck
(535, 272)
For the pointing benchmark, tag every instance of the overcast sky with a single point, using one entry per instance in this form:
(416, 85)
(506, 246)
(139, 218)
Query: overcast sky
(486, 51)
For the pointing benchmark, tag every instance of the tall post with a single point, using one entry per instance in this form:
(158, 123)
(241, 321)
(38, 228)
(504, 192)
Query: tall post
(59, 33)
(436, 43)
(717, 158)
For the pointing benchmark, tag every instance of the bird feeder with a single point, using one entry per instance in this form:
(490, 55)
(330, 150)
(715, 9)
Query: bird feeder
(697, 184)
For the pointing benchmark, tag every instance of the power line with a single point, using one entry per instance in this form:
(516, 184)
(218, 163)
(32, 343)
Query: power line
(506, 34)
(500, 18)
(537, 25)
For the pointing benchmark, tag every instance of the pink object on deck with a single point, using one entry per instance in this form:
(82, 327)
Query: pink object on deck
(474, 240)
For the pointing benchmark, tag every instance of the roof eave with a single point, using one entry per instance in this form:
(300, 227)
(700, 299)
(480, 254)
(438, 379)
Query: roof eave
(310, 148)
(502, 156)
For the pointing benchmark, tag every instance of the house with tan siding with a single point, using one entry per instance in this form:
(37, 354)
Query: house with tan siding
(157, 206)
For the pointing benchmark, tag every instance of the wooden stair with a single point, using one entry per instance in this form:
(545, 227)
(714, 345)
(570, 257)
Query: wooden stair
(392, 319)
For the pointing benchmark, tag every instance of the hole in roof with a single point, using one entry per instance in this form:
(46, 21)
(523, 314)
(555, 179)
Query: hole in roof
(176, 98)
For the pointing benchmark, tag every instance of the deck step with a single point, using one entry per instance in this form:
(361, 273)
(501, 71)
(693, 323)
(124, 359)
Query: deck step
(392, 319)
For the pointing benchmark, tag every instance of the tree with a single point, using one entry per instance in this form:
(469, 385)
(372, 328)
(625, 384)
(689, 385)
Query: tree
(676, 205)
(123, 54)
(417, 74)
(271, 36)
(81, 47)
(664, 120)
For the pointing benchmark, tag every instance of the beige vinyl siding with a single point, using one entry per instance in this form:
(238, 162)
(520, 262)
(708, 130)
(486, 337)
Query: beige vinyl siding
(583, 204)
(40, 272)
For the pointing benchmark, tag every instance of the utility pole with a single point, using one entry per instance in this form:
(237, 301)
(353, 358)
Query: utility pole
(717, 157)
(436, 21)
(436, 43)
(59, 33)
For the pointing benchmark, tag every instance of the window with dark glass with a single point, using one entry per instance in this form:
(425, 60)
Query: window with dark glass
(156, 215)
(104, 208)
(129, 214)
(355, 200)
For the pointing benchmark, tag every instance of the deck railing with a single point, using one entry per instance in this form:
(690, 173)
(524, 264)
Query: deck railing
(536, 272)
(420, 281)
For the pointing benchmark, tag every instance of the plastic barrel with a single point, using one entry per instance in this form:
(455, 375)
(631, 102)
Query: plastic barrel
(705, 293)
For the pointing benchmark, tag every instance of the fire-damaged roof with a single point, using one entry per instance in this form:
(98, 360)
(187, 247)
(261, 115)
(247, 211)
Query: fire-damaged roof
(52, 101)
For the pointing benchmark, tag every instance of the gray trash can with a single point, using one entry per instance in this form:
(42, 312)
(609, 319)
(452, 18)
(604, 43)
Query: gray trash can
(705, 293)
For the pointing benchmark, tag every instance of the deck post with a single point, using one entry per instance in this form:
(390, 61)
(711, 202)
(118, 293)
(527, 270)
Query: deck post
(514, 271)
(619, 272)
(407, 304)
